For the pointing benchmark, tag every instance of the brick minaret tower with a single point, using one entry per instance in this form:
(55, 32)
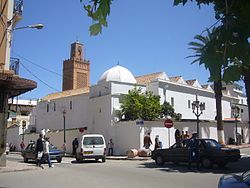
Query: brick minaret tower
(76, 69)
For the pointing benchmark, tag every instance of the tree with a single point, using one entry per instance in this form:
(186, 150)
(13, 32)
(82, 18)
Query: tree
(209, 52)
(137, 105)
(167, 110)
(98, 11)
(235, 18)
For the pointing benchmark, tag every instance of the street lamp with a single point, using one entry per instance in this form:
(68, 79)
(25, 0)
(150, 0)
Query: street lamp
(64, 130)
(35, 26)
(236, 113)
(23, 127)
(198, 108)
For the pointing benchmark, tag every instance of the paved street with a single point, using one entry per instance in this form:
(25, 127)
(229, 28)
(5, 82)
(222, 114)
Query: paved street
(118, 173)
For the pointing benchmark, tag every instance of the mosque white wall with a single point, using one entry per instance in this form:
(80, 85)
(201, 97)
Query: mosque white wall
(49, 114)
(100, 116)
(126, 136)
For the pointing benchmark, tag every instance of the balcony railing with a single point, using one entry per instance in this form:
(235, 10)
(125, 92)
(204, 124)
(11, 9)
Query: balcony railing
(14, 65)
(18, 7)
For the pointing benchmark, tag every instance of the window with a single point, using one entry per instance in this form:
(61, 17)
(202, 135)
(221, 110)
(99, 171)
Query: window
(70, 105)
(172, 101)
(93, 141)
(189, 104)
(47, 107)
(54, 106)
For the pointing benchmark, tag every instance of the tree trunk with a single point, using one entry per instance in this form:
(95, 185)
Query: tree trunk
(247, 86)
(218, 98)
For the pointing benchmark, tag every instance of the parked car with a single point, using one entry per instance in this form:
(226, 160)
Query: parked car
(29, 153)
(235, 180)
(92, 146)
(210, 152)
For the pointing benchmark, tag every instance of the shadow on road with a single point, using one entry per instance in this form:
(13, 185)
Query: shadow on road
(85, 161)
(240, 166)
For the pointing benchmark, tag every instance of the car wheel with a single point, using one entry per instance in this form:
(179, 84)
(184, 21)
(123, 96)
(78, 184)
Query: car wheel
(25, 159)
(159, 160)
(222, 164)
(59, 159)
(206, 163)
(104, 159)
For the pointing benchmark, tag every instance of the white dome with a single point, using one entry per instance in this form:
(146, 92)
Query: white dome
(119, 74)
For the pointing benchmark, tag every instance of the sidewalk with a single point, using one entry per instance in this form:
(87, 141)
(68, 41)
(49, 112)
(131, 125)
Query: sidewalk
(238, 146)
(16, 166)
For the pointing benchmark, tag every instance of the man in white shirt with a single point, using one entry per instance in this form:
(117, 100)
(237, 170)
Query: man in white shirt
(46, 152)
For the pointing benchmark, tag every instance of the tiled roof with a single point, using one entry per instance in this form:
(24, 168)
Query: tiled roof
(191, 82)
(175, 78)
(148, 77)
(205, 86)
(66, 93)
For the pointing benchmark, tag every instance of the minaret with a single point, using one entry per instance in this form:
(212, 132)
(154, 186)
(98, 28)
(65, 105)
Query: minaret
(76, 69)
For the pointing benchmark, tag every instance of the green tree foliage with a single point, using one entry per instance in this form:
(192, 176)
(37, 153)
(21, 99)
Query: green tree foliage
(234, 37)
(167, 110)
(98, 11)
(209, 51)
(138, 105)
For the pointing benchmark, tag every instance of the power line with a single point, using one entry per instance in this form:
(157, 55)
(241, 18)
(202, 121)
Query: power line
(38, 78)
(37, 64)
(41, 67)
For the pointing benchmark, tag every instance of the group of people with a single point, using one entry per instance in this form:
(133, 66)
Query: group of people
(181, 137)
(147, 142)
(42, 151)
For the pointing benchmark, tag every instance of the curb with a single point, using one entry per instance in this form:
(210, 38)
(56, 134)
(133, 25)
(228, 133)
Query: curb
(16, 170)
(127, 158)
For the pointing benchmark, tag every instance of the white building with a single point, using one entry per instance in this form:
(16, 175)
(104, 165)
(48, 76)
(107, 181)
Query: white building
(94, 108)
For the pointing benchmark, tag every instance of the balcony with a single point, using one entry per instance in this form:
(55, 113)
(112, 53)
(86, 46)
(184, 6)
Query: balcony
(17, 11)
(14, 65)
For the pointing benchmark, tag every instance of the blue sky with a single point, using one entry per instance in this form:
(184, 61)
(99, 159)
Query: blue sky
(145, 36)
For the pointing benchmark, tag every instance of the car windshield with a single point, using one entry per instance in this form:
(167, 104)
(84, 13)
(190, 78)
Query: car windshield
(93, 141)
(246, 177)
(212, 143)
(51, 146)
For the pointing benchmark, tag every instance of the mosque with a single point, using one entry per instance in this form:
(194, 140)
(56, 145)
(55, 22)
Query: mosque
(83, 108)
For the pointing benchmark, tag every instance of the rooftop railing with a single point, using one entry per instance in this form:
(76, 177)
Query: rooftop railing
(18, 7)
(14, 65)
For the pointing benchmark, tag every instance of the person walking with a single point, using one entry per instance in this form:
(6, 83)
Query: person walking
(193, 148)
(147, 141)
(110, 147)
(75, 145)
(22, 145)
(177, 136)
(186, 137)
(39, 150)
(46, 155)
(157, 142)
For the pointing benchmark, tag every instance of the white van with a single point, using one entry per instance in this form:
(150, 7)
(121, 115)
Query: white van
(92, 146)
